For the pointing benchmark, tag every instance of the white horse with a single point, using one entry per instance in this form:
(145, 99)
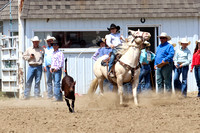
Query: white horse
(126, 68)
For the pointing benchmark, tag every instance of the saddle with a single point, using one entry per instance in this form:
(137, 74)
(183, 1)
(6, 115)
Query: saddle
(106, 62)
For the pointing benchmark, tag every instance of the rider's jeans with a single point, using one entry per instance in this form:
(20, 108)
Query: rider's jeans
(112, 58)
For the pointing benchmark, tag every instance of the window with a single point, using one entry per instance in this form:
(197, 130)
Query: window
(74, 39)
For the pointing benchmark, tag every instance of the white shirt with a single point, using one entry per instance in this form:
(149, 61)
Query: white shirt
(113, 39)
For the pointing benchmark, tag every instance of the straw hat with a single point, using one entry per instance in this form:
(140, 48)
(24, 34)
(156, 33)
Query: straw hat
(36, 39)
(184, 40)
(173, 44)
(163, 34)
(197, 41)
(49, 38)
(147, 44)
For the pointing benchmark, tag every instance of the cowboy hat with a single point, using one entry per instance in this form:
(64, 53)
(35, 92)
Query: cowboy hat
(173, 44)
(99, 42)
(163, 34)
(147, 44)
(50, 38)
(197, 41)
(113, 26)
(184, 40)
(35, 39)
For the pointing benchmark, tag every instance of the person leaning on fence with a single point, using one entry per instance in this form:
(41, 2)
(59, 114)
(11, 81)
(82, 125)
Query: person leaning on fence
(196, 65)
(182, 60)
(57, 62)
(47, 64)
(164, 63)
(145, 58)
(34, 55)
(113, 40)
(101, 44)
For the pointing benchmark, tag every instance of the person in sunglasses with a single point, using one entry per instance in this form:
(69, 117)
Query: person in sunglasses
(57, 62)
(164, 63)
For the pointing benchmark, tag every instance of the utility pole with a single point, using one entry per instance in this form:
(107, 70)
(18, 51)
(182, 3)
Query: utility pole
(21, 49)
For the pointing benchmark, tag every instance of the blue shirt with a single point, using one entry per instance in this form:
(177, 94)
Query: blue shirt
(164, 52)
(105, 51)
(48, 55)
(143, 56)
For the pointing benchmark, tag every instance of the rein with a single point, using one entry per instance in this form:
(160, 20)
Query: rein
(130, 68)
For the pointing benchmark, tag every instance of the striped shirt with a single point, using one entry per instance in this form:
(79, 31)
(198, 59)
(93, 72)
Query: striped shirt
(57, 60)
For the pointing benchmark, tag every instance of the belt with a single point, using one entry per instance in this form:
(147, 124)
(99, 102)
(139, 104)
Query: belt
(180, 63)
(197, 65)
(49, 65)
(145, 64)
(34, 65)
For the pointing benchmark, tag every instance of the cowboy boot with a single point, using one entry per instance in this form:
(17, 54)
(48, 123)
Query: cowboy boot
(111, 74)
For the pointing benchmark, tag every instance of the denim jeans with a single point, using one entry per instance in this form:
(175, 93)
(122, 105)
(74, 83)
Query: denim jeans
(112, 58)
(33, 72)
(144, 78)
(49, 83)
(197, 76)
(164, 77)
(178, 85)
(57, 90)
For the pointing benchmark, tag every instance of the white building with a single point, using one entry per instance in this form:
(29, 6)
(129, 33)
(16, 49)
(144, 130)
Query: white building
(78, 20)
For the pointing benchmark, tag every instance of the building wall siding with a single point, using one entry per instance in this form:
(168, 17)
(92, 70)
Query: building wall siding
(177, 28)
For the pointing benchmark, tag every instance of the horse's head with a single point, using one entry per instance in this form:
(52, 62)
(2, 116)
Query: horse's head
(139, 36)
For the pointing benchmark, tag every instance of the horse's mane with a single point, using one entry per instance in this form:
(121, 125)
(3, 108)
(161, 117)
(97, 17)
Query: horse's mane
(123, 49)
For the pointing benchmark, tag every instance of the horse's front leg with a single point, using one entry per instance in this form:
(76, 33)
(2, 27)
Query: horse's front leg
(135, 85)
(100, 82)
(120, 88)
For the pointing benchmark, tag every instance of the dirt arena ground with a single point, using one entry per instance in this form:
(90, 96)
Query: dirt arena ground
(102, 114)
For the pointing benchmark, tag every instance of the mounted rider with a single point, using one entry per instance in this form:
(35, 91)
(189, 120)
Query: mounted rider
(113, 40)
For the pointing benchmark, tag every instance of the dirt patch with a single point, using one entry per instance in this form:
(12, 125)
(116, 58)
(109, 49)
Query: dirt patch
(102, 114)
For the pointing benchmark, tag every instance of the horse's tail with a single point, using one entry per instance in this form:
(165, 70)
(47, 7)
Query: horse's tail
(66, 66)
(93, 86)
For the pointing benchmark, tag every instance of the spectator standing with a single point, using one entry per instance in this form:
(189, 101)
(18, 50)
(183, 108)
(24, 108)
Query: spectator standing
(196, 65)
(34, 55)
(57, 62)
(182, 60)
(145, 58)
(47, 64)
(164, 63)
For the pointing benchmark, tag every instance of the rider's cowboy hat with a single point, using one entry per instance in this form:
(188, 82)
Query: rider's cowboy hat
(163, 34)
(173, 44)
(113, 26)
(197, 41)
(36, 39)
(49, 38)
(147, 44)
(184, 40)
(99, 42)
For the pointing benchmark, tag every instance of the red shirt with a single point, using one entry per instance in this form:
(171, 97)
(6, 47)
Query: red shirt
(196, 59)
